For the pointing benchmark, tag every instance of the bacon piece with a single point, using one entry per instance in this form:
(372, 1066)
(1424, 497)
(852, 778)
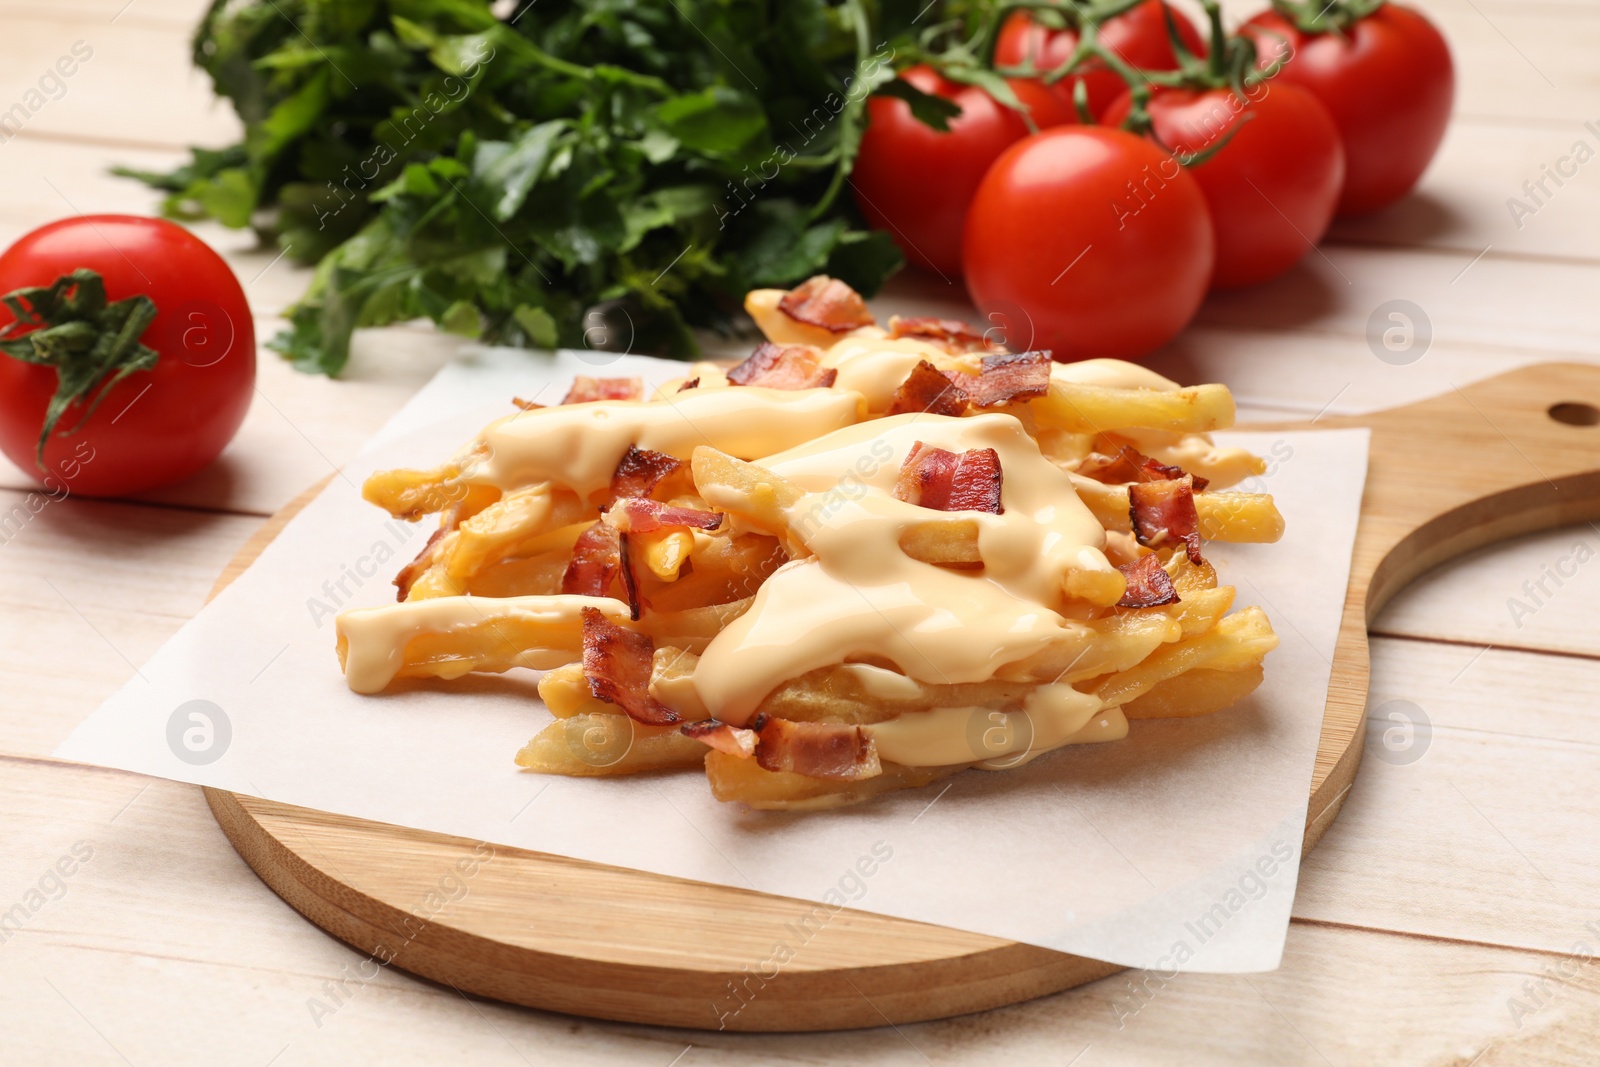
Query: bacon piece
(1148, 583)
(925, 389)
(1164, 511)
(784, 367)
(952, 335)
(596, 558)
(586, 390)
(722, 737)
(1153, 470)
(412, 571)
(647, 516)
(815, 749)
(692, 383)
(947, 481)
(630, 582)
(1006, 379)
(1131, 465)
(828, 303)
(640, 471)
(525, 405)
(617, 663)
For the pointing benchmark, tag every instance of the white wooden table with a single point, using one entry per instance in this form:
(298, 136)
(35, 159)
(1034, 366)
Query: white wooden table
(1436, 923)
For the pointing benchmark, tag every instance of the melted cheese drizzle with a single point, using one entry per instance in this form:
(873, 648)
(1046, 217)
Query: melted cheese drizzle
(580, 445)
(861, 598)
(376, 638)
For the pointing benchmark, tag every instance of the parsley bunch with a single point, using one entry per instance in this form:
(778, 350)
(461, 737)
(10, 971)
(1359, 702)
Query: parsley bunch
(609, 171)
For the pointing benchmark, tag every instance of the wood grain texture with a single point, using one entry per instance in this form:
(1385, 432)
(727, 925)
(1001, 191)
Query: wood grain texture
(618, 944)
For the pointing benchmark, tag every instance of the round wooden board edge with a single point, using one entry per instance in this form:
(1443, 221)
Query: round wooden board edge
(978, 973)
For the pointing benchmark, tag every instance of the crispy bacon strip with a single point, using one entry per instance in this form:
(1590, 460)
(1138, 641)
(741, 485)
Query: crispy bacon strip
(784, 367)
(952, 335)
(640, 471)
(617, 664)
(692, 383)
(630, 581)
(722, 737)
(947, 481)
(815, 749)
(1007, 378)
(412, 571)
(1163, 511)
(596, 558)
(647, 516)
(586, 390)
(926, 389)
(1148, 584)
(1131, 465)
(828, 303)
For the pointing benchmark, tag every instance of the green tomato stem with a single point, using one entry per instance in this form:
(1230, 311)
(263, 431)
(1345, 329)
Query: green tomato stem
(92, 344)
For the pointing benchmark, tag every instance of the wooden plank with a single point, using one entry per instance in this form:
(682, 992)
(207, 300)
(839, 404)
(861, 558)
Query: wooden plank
(173, 104)
(1349, 995)
(1483, 804)
(1498, 186)
(88, 591)
(1536, 592)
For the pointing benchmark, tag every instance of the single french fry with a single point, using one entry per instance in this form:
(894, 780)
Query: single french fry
(1239, 518)
(1099, 408)
(722, 568)
(664, 551)
(1236, 518)
(1237, 642)
(750, 493)
(521, 523)
(1197, 692)
(779, 328)
(1102, 588)
(692, 628)
(411, 494)
(454, 636)
(565, 691)
(747, 781)
(607, 744)
(943, 542)
(1098, 647)
(672, 682)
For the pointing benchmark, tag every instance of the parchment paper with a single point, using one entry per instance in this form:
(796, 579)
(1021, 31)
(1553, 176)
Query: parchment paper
(1177, 848)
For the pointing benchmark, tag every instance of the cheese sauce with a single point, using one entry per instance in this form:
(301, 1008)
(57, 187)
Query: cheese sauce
(580, 445)
(859, 599)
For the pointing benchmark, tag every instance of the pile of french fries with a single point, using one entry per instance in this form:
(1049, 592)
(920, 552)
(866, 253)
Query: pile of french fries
(506, 551)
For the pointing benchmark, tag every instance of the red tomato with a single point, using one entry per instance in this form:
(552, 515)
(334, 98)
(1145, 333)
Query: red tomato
(155, 426)
(1273, 185)
(1388, 83)
(1139, 36)
(1093, 242)
(1045, 106)
(916, 182)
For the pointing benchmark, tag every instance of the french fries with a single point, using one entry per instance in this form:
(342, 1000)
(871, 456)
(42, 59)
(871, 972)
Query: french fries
(1044, 575)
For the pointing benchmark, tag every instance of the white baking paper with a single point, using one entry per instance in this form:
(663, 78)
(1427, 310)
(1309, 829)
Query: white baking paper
(1177, 848)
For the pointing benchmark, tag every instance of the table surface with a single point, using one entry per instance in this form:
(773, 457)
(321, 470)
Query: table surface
(1447, 918)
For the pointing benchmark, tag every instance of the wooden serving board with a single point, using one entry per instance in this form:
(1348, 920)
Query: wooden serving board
(1515, 454)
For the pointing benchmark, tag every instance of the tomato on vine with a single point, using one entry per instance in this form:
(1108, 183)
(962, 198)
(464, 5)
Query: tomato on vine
(1266, 154)
(916, 181)
(1090, 241)
(1385, 75)
(1138, 33)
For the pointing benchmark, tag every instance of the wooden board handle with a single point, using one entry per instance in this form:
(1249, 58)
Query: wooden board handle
(1484, 462)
